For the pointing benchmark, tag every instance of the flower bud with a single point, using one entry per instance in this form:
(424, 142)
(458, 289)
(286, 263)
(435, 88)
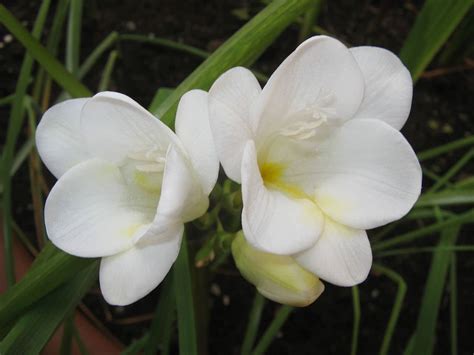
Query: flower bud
(277, 277)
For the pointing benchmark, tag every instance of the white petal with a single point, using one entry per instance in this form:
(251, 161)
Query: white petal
(114, 126)
(90, 212)
(320, 76)
(192, 127)
(58, 137)
(231, 98)
(366, 175)
(341, 256)
(271, 220)
(132, 274)
(182, 198)
(388, 86)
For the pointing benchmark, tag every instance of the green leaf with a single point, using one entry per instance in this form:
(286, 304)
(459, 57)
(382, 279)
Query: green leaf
(160, 96)
(397, 305)
(162, 324)
(185, 302)
(253, 323)
(52, 268)
(34, 328)
(57, 71)
(434, 24)
(425, 333)
(243, 48)
(14, 127)
(447, 198)
(73, 42)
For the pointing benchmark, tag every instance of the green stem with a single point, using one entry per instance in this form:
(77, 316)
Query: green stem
(397, 305)
(253, 323)
(453, 305)
(267, 338)
(356, 324)
(107, 73)
(309, 20)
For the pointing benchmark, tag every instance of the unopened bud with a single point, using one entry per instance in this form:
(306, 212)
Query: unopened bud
(277, 277)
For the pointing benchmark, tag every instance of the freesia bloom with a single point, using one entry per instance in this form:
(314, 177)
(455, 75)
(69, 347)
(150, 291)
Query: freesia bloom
(319, 153)
(127, 184)
(277, 277)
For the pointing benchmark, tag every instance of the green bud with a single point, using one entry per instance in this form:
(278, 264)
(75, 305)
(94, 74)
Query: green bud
(277, 277)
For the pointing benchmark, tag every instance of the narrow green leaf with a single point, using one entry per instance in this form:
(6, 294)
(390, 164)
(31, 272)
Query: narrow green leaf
(14, 127)
(447, 198)
(309, 20)
(107, 73)
(73, 42)
(253, 323)
(356, 321)
(397, 305)
(57, 71)
(34, 328)
(184, 302)
(160, 96)
(243, 48)
(51, 268)
(446, 148)
(434, 24)
(426, 325)
(453, 304)
(466, 217)
(272, 330)
(162, 324)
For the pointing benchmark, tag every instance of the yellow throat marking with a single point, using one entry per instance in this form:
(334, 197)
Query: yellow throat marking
(272, 175)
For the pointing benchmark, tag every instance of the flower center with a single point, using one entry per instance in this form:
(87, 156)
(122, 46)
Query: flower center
(146, 168)
(272, 175)
(307, 120)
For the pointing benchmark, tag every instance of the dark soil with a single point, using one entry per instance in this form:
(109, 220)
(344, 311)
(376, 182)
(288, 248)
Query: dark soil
(442, 112)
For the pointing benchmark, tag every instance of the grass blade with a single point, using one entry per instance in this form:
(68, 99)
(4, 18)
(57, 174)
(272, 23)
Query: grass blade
(253, 323)
(57, 71)
(107, 73)
(397, 305)
(52, 267)
(73, 42)
(426, 325)
(243, 48)
(356, 324)
(271, 332)
(445, 148)
(162, 324)
(447, 198)
(434, 24)
(453, 305)
(185, 302)
(15, 123)
(34, 328)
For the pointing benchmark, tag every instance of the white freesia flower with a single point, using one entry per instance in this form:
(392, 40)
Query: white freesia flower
(318, 153)
(126, 185)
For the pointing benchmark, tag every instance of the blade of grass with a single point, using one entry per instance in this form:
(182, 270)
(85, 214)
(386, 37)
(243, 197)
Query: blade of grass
(397, 305)
(68, 332)
(42, 278)
(429, 230)
(446, 148)
(356, 321)
(136, 346)
(73, 41)
(271, 332)
(309, 20)
(243, 48)
(434, 24)
(425, 330)
(162, 324)
(57, 71)
(452, 171)
(107, 73)
(184, 302)
(14, 127)
(416, 250)
(34, 328)
(453, 304)
(447, 198)
(253, 323)
(160, 96)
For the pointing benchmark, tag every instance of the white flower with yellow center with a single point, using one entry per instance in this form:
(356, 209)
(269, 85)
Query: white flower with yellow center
(127, 184)
(319, 153)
